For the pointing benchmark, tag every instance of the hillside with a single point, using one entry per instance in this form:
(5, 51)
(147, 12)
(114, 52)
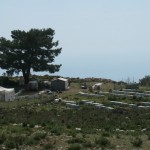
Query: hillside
(49, 122)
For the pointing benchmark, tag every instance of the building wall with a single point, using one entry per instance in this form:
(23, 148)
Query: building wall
(66, 85)
(33, 85)
(58, 85)
(9, 95)
(2, 95)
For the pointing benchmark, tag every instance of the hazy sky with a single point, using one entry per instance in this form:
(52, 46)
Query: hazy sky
(100, 38)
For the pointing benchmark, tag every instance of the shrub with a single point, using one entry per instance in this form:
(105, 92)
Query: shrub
(2, 138)
(28, 131)
(118, 136)
(24, 124)
(31, 141)
(31, 125)
(134, 97)
(88, 130)
(102, 141)
(10, 144)
(148, 136)
(72, 133)
(76, 98)
(39, 135)
(76, 140)
(75, 147)
(88, 144)
(106, 134)
(58, 130)
(43, 124)
(137, 142)
(112, 98)
(48, 146)
(68, 126)
(19, 139)
(14, 141)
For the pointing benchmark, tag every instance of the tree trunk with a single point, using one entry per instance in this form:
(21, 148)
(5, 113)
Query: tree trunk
(26, 74)
(26, 79)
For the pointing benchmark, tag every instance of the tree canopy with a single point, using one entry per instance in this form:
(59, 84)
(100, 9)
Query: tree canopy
(34, 49)
(145, 81)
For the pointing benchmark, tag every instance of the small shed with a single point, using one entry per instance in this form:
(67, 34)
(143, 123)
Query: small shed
(7, 94)
(97, 86)
(33, 85)
(60, 84)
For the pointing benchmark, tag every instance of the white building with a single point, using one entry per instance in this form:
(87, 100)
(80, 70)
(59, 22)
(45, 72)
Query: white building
(7, 94)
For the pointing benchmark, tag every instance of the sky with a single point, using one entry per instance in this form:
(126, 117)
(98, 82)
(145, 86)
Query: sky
(99, 38)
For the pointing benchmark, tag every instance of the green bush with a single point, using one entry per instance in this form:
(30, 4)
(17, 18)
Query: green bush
(148, 136)
(8, 81)
(58, 130)
(39, 135)
(24, 124)
(88, 144)
(118, 136)
(102, 141)
(43, 124)
(72, 133)
(2, 138)
(31, 125)
(137, 142)
(75, 147)
(48, 146)
(19, 139)
(106, 134)
(76, 140)
(10, 144)
(14, 141)
(112, 98)
(31, 141)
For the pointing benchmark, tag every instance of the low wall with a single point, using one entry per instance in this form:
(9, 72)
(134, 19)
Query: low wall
(34, 96)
